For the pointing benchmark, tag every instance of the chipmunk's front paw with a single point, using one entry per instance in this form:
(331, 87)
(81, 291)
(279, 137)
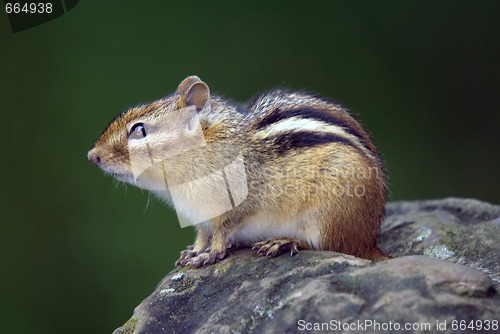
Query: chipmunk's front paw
(185, 256)
(205, 259)
(275, 247)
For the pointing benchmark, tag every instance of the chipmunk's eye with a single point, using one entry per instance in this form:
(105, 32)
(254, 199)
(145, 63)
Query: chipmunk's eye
(137, 131)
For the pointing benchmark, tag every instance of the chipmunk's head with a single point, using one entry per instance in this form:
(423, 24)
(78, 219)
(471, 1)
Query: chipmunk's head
(137, 143)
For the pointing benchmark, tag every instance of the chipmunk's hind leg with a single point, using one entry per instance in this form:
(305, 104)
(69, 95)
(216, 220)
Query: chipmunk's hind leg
(275, 247)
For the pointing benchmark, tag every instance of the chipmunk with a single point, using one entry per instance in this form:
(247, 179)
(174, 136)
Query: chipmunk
(304, 175)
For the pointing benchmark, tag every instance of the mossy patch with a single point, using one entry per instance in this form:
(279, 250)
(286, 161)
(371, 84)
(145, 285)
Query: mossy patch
(128, 327)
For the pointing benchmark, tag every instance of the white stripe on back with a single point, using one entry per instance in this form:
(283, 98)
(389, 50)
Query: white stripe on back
(297, 124)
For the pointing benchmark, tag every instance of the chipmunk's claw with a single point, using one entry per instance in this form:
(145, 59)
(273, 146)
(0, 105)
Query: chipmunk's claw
(185, 256)
(205, 259)
(275, 247)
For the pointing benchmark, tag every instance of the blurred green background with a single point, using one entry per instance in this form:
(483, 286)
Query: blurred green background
(79, 252)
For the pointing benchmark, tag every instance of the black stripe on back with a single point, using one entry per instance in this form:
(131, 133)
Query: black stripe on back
(311, 113)
(288, 141)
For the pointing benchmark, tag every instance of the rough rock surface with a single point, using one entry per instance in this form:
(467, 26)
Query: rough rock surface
(328, 291)
(464, 231)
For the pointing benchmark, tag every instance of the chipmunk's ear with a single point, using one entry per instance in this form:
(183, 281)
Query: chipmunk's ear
(186, 83)
(196, 95)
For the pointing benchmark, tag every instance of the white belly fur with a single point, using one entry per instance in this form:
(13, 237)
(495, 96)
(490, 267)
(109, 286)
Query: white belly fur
(264, 226)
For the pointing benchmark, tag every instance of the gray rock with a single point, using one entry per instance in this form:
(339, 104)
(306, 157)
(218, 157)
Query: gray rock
(464, 231)
(327, 291)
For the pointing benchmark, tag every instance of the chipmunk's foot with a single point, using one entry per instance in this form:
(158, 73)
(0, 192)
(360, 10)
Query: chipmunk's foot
(275, 247)
(186, 255)
(205, 259)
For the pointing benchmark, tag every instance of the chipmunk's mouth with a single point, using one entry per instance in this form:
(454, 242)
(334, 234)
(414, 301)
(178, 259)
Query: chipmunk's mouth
(121, 177)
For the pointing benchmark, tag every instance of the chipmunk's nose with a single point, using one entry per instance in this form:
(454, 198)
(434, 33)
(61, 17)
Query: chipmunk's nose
(94, 157)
